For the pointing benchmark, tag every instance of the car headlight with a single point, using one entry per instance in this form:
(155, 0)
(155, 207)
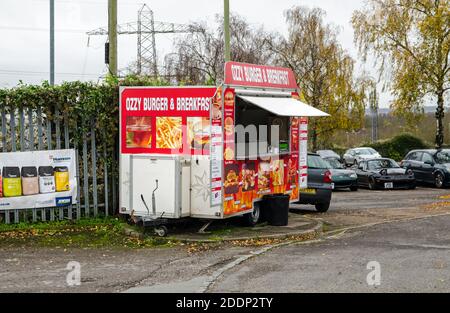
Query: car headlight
(353, 176)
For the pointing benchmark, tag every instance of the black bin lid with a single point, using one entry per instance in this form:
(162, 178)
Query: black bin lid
(61, 169)
(11, 172)
(45, 171)
(29, 171)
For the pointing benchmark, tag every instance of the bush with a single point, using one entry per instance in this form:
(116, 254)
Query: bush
(397, 147)
(338, 149)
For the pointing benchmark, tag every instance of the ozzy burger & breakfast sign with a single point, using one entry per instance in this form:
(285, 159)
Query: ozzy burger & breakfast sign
(251, 75)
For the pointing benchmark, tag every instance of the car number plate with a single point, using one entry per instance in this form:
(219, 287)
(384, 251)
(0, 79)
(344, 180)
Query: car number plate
(308, 191)
(389, 186)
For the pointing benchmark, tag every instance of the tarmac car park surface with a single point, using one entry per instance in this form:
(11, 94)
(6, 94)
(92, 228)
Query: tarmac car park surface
(411, 256)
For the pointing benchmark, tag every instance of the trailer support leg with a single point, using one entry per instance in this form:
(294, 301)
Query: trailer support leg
(204, 227)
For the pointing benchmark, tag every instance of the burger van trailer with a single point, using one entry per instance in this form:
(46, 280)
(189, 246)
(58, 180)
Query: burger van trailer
(212, 153)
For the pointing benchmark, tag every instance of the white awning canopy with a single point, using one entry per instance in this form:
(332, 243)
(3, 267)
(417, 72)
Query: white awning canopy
(284, 106)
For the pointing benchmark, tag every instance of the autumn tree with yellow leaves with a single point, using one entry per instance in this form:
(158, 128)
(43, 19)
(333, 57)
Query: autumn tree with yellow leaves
(410, 40)
(325, 73)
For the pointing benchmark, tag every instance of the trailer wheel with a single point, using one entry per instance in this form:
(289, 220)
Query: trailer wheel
(161, 231)
(253, 218)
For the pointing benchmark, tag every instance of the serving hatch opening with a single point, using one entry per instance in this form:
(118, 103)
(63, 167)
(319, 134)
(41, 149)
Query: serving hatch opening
(263, 123)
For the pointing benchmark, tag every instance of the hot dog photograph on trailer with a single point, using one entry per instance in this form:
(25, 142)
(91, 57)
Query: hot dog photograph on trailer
(213, 153)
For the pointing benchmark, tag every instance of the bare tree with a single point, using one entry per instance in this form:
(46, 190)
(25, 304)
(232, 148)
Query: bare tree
(200, 56)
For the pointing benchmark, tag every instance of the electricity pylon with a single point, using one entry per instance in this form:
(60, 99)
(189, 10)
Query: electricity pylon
(146, 29)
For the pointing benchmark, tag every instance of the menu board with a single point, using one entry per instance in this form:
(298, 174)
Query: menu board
(228, 126)
(232, 182)
(216, 150)
(303, 163)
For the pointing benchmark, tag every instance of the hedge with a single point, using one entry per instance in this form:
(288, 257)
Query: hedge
(397, 147)
(79, 100)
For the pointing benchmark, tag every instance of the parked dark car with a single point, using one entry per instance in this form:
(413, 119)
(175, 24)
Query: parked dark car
(429, 166)
(341, 177)
(384, 174)
(325, 154)
(319, 191)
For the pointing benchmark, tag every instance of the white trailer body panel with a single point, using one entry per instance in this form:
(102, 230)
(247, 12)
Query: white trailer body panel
(185, 188)
(201, 189)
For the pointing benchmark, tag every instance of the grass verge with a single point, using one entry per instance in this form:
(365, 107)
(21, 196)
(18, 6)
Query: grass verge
(84, 233)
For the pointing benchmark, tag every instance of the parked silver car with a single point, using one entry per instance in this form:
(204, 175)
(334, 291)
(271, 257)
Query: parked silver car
(324, 154)
(353, 156)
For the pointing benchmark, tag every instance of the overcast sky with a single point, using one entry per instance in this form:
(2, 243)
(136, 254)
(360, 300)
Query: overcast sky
(24, 24)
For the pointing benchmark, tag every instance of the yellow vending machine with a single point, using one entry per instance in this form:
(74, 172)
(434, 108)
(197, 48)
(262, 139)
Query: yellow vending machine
(12, 182)
(62, 179)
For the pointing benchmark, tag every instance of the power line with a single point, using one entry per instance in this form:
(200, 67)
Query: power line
(20, 72)
(38, 29)
(59, 74)
(91, 2)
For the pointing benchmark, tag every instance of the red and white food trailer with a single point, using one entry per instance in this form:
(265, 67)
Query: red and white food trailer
(181, 154)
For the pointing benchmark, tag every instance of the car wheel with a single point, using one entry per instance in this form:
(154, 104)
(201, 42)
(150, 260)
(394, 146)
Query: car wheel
(439, 180)
(322, 207)
(252, 219)
(354, 188)
(413, 187)
(372, 183)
